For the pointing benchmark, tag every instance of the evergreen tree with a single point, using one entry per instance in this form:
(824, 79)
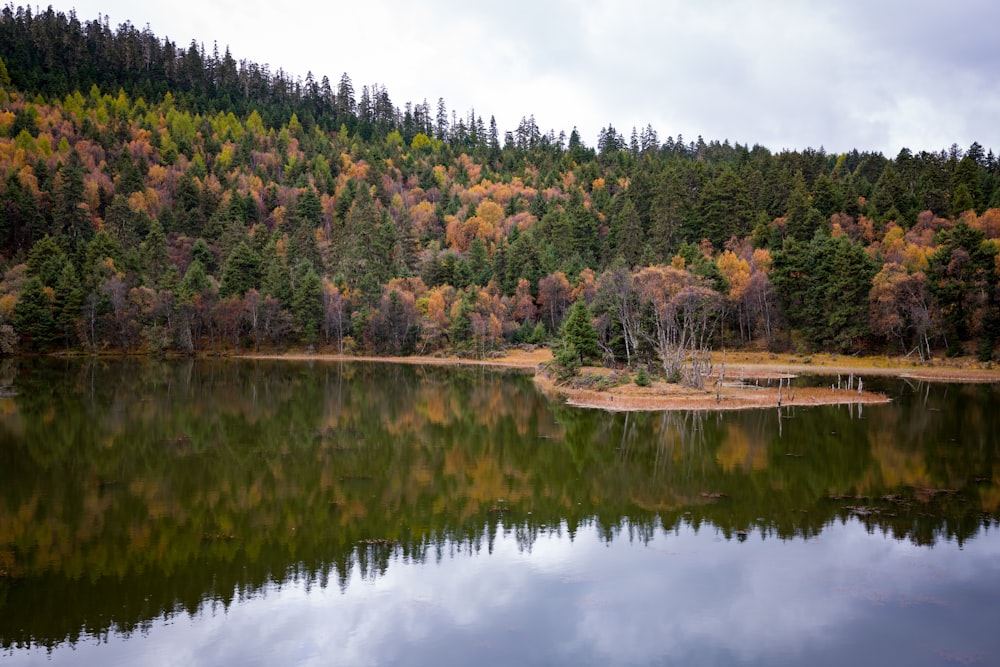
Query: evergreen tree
(824, 286)
(21, 219)
(499, 265)
(46, 260)
(460, 332)
(309, 210)
(627, 233)
(578, 332)
(194, 283)
(889, 194)
(725, 208)
(797, 217)
(276, 281)
(583, 228)
(961, 275)
(967, 174)
(302, 245)
(68, 303)
(102, 257)
(126, 225)
(827, 198)
(523, 261)
(668, 213)
(202, 253)
(307, 302)
(241, 272)
(366, 261)
(479, 266)
(70, 215)
(154, 254)
(33, 317)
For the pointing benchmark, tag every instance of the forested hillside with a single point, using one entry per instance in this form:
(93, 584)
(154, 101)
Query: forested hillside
(156, 198)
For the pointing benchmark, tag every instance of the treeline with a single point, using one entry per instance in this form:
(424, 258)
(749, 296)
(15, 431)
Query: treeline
(54, 54)
(146, 206)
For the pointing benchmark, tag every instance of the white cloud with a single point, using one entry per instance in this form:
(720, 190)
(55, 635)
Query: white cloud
(694, 597)
(852, 74)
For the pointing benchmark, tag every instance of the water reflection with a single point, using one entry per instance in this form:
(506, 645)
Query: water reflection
(137, 491)
(682, 597)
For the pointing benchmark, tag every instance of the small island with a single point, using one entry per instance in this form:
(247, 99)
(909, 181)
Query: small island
(755, 390)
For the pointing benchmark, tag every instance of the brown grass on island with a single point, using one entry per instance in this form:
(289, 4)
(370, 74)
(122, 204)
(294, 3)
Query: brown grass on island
(748, 382)
(732, 395)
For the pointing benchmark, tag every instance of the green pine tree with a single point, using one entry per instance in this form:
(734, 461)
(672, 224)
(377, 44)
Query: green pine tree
(68, 303)
(154, 254)
(578, 332)
(307, 302)
(33, 317)
(241, 272)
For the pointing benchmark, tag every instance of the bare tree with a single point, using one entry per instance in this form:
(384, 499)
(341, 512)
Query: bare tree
(684, 316)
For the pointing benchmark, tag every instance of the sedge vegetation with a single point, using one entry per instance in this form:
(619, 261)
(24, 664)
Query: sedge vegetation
(156, 198)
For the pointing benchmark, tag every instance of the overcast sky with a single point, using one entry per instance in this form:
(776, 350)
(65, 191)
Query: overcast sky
(866, 74)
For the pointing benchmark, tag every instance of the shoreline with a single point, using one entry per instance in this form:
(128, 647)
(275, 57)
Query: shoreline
(526, 363)
(734, 395)
(660, 396)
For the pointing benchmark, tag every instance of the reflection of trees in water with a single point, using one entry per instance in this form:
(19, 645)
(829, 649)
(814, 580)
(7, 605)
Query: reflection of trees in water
(681, 439)
(169, 484)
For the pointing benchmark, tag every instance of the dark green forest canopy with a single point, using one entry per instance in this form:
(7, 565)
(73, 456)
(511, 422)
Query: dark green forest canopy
(160, 198)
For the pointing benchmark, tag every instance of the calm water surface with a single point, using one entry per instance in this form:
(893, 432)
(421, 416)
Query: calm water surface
(213, 513)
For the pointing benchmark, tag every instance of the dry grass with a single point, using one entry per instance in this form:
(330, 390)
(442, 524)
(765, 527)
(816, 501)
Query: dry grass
(958, 369)
(515, 358)
(731, 396)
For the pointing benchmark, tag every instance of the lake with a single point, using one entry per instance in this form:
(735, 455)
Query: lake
(314, 513)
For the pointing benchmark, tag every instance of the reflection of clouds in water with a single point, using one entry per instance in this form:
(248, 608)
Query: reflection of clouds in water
(742, 599)
(685, 597)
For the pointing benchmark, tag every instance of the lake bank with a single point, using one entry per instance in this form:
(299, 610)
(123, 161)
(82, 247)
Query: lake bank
(745, 371)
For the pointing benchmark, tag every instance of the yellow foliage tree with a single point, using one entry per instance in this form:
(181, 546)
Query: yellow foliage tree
(491, 212)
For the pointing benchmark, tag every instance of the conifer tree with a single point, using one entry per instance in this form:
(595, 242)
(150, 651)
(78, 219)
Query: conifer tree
(578, 331)
(307, 302)
(68, 303)
(69, 213)
(241, 272)
(33, 317)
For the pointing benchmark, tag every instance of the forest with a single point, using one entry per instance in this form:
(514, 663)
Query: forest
(161, 199)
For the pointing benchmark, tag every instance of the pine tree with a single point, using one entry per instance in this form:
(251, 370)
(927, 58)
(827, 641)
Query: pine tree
(102, 257)
(195, 282)
(725, 207)
(154, 254)
(460, 332)
(68, 303)
(578, 332)
(308, 210)
(69, 212)
(33, 317)
(628, 236)
(276, 279)
(797, 216)
(366, 260)
(46, 260)
(307, 302)
(241, 272)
